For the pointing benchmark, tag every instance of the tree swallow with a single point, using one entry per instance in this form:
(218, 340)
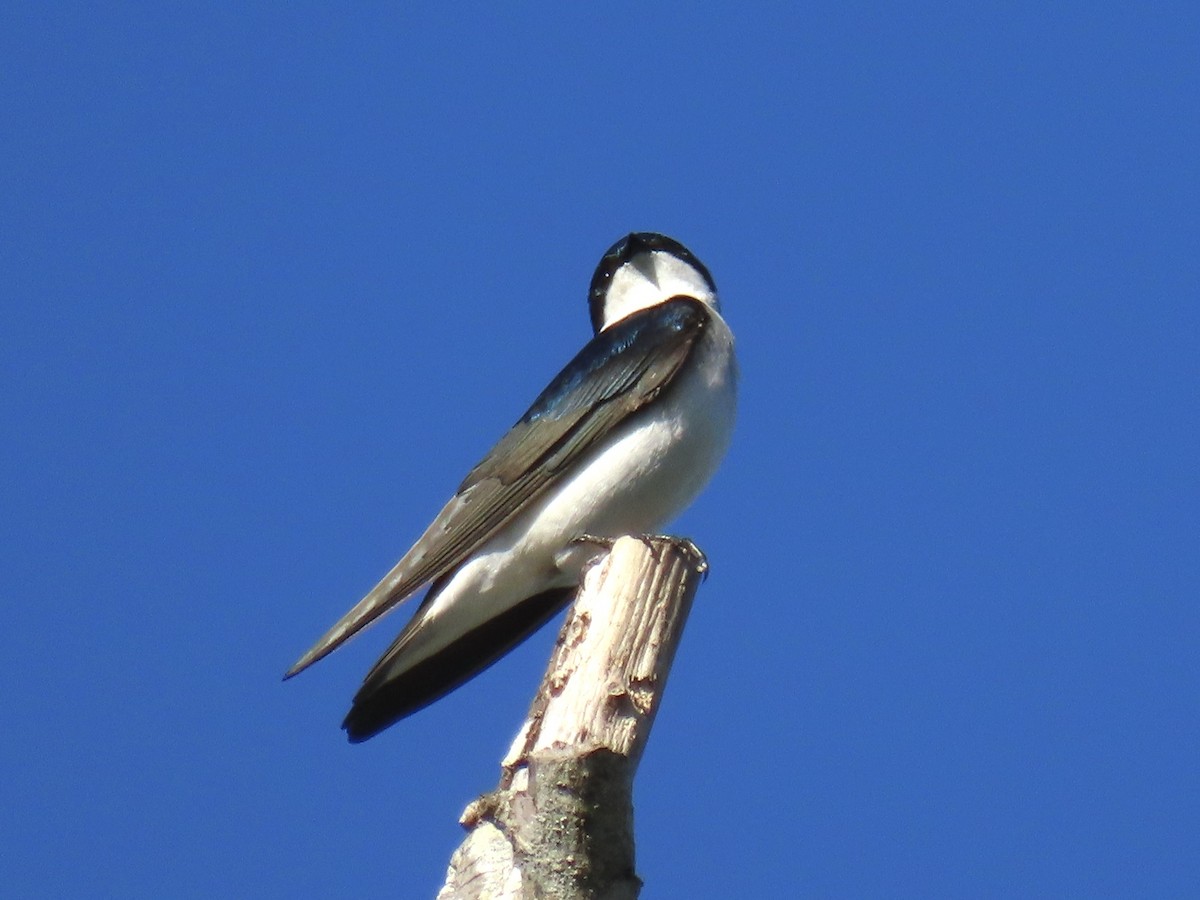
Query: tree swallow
(620, 442)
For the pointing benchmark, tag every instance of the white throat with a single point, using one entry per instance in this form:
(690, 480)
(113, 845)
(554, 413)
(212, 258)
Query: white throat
(650, 279)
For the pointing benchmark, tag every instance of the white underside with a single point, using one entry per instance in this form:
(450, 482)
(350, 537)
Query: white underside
(636, 482)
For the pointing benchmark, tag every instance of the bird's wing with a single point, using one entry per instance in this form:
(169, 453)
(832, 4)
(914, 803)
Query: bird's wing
(621, 369)
(397, 686)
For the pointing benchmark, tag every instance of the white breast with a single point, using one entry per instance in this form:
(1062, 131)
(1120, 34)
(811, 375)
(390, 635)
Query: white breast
(639, 479)
(655, 466)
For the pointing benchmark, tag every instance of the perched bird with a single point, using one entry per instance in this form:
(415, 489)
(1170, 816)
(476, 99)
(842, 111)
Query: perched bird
(620, 442)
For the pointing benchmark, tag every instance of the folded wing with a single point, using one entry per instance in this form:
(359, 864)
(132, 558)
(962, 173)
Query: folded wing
(621, 369)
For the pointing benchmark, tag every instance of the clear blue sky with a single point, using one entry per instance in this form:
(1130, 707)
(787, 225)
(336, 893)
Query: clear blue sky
(274, 278)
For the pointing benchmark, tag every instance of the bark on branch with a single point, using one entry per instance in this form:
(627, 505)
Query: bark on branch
(560, 824)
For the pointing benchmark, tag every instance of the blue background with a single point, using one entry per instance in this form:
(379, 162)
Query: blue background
(275, 278)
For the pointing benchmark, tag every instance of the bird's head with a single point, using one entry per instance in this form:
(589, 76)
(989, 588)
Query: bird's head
(642, 270)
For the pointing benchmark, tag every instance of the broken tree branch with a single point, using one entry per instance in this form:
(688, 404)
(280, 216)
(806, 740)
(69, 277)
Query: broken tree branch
(560, 823)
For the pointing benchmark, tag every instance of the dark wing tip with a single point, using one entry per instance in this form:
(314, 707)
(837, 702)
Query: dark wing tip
(359, 731)
(362, 723)
(395, 689)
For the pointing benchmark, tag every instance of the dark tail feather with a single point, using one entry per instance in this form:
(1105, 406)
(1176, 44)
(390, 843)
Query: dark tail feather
(394, 690)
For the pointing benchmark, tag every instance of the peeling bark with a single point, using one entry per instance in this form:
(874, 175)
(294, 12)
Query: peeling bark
(560, 825)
